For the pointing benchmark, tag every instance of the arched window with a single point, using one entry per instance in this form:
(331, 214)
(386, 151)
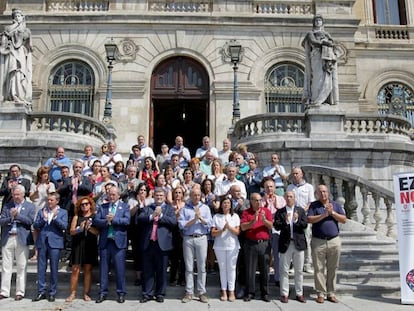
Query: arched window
(71, 88)
(284, 88)
(396, 98)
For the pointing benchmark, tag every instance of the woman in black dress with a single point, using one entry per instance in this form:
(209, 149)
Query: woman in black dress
(84, 246)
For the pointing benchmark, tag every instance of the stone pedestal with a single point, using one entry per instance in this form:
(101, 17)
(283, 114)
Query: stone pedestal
(13, 118)
(325, 121)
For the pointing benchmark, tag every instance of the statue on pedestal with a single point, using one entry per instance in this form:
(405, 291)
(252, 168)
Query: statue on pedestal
(321, 76)
(16, 61)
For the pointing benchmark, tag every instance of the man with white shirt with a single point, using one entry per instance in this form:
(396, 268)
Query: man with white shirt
(146, 151)
(201, 152)
(223, 187)
(277, 172)
(304, 194)
(223, 154)
(291, 221)
(111, 157)
(16, 219)
(182, 152)
(87, 160)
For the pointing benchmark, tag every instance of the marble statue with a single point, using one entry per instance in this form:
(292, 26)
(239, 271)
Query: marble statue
(321, 77)
(16, 61)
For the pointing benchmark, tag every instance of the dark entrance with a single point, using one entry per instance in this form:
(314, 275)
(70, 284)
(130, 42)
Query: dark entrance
(180, 103)
(186, 118)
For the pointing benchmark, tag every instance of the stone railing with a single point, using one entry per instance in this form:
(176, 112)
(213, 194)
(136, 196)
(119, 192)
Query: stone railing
(77, 5)
(288, 123)
(392, 33)
(67, 123)
(269, 123)
(377, 124)
(364, 201)
(283, 7)
(191, 6)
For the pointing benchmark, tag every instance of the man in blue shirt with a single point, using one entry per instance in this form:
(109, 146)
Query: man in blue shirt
(325, 215)
(55, 164)
(195, 222)
(182, 152)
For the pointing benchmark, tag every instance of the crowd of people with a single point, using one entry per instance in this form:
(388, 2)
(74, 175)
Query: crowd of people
(217, 209)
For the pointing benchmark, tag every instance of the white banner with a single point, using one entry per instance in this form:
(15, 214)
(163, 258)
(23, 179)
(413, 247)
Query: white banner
(404, 208)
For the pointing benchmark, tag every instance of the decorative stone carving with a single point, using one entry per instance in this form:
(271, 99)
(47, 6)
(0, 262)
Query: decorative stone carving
(16, 61)
(127, 51)
(321, 77)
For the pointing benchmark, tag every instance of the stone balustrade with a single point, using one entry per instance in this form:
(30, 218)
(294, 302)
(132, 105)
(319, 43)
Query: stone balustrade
(38, 122)
(283, 7)
(392, 33)
(287, 123)
(191, 6)
(364, 201)
(377, 124)
(269, 123)
(77, 5)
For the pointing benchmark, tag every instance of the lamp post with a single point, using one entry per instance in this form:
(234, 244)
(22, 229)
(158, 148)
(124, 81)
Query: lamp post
(234, 51)
(110, 49)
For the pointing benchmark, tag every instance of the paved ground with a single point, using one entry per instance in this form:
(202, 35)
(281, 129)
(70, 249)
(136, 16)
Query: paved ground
(347, 303)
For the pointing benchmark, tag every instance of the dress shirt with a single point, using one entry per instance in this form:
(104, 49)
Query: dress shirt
(185, 159)
(200, 152)
(304, 194)
(270, 170)
(187, 214)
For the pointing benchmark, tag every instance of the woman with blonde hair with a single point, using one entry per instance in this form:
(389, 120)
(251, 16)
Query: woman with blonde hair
(84, 246)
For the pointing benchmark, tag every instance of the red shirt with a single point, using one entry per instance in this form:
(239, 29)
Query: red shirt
(258, 231)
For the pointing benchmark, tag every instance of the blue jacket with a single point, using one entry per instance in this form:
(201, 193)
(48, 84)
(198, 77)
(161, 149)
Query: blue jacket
(54, 232)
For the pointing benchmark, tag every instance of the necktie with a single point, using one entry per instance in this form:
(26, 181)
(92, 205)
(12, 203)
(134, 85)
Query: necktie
(111, 227)
(154, 229)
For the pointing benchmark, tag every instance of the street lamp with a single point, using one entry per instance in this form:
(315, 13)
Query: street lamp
(234, 51)
(110, 49)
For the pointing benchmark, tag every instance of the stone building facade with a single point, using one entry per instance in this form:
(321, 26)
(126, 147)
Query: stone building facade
(172, 75)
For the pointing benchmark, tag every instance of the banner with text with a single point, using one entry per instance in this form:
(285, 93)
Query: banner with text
(404, 208)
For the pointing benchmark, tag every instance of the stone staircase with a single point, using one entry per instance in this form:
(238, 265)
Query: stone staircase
(369, 266)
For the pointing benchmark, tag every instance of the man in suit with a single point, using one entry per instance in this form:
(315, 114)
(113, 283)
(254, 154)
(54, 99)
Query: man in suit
(51, 221)
(14, 178)
(157, 222)
(291, 221)
(112, 220)
(15, 221)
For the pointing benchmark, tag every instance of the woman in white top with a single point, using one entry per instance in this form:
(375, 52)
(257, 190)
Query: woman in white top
(225, 229)
(39, 193)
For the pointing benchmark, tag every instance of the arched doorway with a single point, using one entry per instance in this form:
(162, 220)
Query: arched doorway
(179, 103)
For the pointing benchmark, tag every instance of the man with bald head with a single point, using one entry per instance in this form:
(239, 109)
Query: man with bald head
(325, 216)
(181, 151)
(195, 222)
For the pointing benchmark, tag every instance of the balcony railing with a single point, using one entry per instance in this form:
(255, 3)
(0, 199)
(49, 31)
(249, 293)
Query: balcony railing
(190, 6)
(66, 123)
(392, 33)
(288, 123)
(283, 7)
(364, 201)
(77, 5)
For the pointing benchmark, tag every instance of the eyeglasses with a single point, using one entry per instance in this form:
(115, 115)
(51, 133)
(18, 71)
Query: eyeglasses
(85, 204)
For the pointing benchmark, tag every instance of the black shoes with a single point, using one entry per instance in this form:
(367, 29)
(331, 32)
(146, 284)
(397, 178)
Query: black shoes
(160, 299)
(266, 298)
(39, 297)
(101, 299)
(145, 299)
(121, 299)
(51, 298)
(248, 297)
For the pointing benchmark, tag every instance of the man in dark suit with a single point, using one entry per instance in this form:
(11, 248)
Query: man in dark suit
(14, 178)
(51, 221)
(157, 222)
(15, 221)
(112, 220)
(292, 221)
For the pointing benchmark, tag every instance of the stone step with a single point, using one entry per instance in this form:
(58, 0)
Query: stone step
(370, 265)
